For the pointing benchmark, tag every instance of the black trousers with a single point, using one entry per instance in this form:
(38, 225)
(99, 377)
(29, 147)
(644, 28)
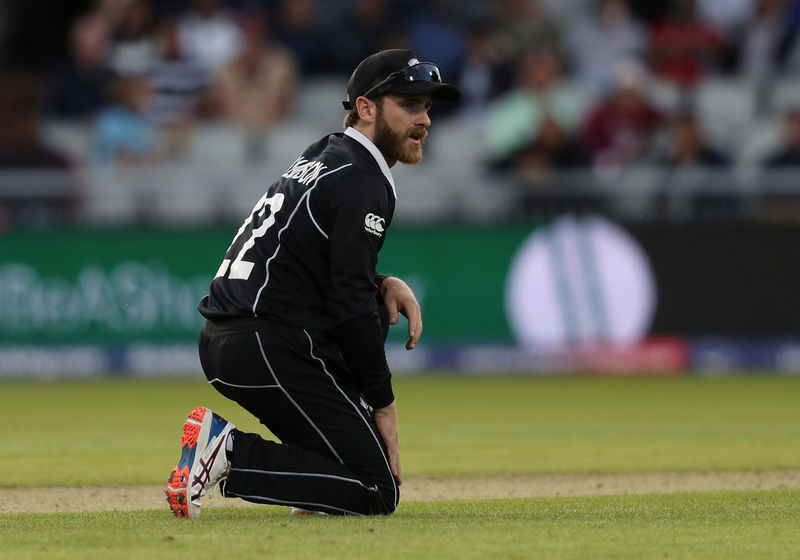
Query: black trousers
(331, 457)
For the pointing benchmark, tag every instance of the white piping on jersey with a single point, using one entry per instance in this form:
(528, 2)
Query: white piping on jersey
(291, 400)
(288, 222)
(376, 153)
(358, 413)
(313, 221)
(373, 488)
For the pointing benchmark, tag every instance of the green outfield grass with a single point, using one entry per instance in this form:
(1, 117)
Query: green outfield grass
(127, 431)
(116, 431)
(729, 525)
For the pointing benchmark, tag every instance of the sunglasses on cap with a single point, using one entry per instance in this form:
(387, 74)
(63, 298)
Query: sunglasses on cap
(420, 72)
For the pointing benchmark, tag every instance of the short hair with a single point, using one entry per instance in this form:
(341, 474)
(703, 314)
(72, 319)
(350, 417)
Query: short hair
(352, 118)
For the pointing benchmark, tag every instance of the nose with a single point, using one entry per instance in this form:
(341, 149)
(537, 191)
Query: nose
(423, 119)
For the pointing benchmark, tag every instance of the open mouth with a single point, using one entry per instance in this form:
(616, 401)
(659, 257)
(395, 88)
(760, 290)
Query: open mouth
(417, 137)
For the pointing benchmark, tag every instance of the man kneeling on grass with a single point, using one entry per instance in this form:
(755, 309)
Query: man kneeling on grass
(297, 316)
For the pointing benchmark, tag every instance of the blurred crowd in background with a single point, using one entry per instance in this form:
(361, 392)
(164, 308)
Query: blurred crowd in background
(551, 84)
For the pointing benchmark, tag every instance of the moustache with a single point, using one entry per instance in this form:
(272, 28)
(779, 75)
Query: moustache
(420, 133)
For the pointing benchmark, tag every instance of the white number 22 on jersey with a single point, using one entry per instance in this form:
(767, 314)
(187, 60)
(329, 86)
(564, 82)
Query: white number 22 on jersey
(240, 269)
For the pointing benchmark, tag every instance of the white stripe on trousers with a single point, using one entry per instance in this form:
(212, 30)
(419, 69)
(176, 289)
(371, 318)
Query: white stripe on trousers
(312, 475)
(299, 408)
(358, 412)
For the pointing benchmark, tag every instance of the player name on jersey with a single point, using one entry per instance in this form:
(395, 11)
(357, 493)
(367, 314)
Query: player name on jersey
(304, 171)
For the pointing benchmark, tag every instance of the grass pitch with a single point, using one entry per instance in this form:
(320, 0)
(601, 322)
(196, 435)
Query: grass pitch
(115, 431)
(730, 525)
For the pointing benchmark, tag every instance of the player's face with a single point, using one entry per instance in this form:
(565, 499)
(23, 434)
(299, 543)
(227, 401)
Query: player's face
(401, 127)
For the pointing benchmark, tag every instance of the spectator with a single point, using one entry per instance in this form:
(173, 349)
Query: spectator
(180, 91)
(619, 129)
(514, 119)
(727, 15)
(791, 46)
(112, 11)
(650, 11)
(132, 47)
(437, 35)
(32, 199)
(552, 149)
(681, 44)
(123, 135)
(731, 18)
(687, 146)
(256, 89)
(542, 191)
(482, 75)
(362, 33)
(209, 35)
(780, 201)
(788, 155)
(764, 36)
(601, 40)
(78, 87)
(696, 183)
(524, 26)
(299, 29)
(564, 11)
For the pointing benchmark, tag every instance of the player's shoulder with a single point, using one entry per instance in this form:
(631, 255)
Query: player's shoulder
(315, 163)
(340, 170)
(354, 164)
(346, 148)
(335, 151)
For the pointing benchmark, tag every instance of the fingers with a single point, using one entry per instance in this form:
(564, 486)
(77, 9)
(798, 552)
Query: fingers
(414, 328)
(391, 308)
(394, 464)
(397, 470)
(399, 299)
(409, 307)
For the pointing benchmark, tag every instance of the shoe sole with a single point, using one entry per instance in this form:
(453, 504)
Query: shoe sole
(195, 428)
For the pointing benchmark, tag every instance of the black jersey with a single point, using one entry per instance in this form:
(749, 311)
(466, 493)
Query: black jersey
(306, 256)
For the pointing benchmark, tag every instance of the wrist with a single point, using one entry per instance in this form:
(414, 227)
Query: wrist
(381, 281)
(388, 409)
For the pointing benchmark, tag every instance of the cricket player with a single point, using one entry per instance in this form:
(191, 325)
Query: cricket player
(297, 315)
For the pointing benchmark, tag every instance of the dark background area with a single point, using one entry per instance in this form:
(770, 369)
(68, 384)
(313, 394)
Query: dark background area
(724, 278)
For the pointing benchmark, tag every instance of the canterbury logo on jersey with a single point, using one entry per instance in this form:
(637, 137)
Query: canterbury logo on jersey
(374, 224)
(304, 171)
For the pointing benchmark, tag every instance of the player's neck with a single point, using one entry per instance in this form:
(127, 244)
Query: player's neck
(368, 130)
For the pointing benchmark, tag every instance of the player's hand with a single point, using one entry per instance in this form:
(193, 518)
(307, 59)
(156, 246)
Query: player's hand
(399, 298)
(386, 419)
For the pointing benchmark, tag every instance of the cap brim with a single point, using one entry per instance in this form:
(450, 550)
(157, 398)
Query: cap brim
(437, 90)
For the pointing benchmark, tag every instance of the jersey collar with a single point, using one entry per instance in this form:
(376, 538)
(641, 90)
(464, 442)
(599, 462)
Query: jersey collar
(376, 153)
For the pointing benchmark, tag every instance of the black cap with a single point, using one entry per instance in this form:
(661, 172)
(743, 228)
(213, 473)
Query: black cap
(376, 68)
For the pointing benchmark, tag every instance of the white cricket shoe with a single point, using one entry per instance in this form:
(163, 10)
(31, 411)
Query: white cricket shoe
(203, 463)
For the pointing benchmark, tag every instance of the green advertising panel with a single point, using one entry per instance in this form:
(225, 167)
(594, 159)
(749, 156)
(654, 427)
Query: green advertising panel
(109, 287)
(458, 274)
(105, 286)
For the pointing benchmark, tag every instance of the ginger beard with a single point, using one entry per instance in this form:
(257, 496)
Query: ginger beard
(395, 145)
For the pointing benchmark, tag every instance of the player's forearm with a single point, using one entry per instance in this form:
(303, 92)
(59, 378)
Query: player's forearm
(361, 342)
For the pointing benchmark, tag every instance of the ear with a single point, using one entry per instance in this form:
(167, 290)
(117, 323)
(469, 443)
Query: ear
(366, 109)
